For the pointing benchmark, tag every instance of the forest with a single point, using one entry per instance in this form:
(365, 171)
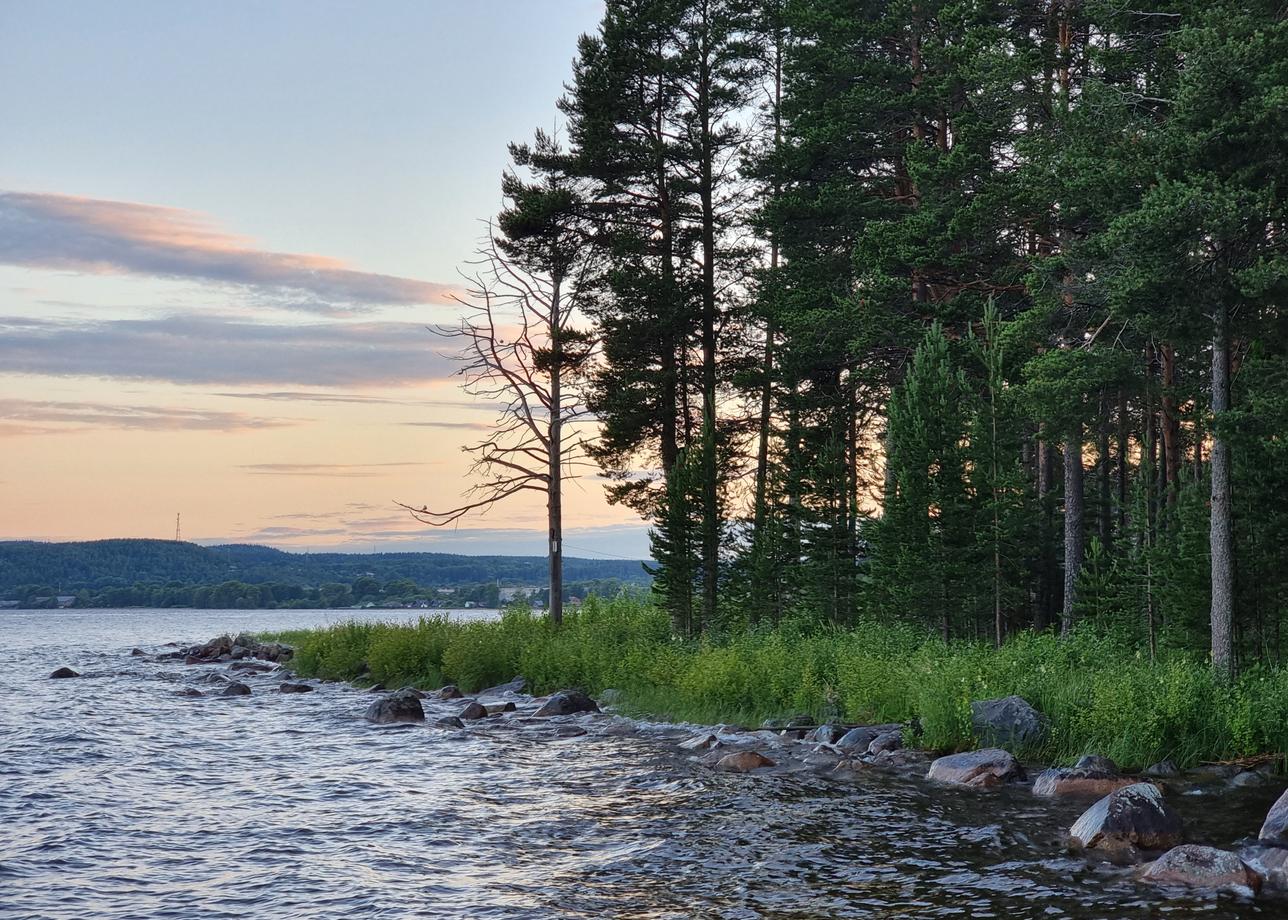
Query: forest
(953, 314)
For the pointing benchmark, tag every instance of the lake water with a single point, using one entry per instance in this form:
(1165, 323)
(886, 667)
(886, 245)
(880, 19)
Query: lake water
(121, 799)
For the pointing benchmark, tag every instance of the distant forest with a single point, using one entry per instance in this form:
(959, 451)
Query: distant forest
(168, 573)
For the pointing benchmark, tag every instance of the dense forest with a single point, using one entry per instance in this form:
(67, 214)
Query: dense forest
(958, 314)
(164, 573)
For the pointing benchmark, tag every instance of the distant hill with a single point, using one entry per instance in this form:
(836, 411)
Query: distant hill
(110, 563)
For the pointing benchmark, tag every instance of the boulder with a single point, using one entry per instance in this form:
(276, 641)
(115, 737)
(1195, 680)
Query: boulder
(450, 692)
(449, 722)
(188, 691)
(1164, 769)
(862, 737)
(1251, 778)
(1007, 722)
(984, 769)
(886, 741)
(514, 686)
(289, 687)
(1270, 863)
(700, 743)
(565, 703)
(825, 734)
(1193, 866)
(412, 691)
(743, 762)
(1094, 777)
(1134, 817)
(498, 708)
(274, 651)
(137, 652)
(396, 707)
(1274, 830)
(235, 688)
(256, 666)
(473, 710)
(238, 652)
(63, 673)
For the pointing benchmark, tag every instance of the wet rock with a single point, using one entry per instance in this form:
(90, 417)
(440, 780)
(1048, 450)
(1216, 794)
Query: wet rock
(1270, 863)
(235, 688)
(1094, 777)
(238, 652)
(1215, 771)
(473, 710)
(62, 673)
(137, 653)
(1274, 830)
(569, 731)
(565, 703)
(1134, 817)
(1007, 722)
(257, 667)
(396, 707)
(862, 737)
(514, 686)
(1194, 866)
(449, 722)
(743, 762)
(212, 677)
(700, 743)
(412, 691)
(822, 759)
(1251, 779)
(901, 760)
(983, 769)
(1164, 769)
(288, 687)
(825, 734)
(449, 692)
(887, 741)
(188, 691)
(498, 708)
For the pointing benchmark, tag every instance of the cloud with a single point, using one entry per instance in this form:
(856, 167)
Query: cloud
(464, 426)
(48, 417)
(221, 350)
(344, 470)
(98, 236)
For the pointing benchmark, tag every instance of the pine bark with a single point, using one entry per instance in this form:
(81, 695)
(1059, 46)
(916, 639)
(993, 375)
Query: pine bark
(1222, 532)
(1073, 525)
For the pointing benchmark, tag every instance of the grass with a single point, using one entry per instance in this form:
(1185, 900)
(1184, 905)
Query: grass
(1099, 694)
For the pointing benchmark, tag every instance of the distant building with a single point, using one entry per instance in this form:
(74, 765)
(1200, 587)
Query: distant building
(65, 600)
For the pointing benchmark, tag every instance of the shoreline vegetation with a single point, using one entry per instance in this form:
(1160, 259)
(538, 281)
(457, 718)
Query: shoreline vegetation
(1097, 692)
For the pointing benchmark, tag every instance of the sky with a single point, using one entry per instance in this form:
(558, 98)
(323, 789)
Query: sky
(224, 228)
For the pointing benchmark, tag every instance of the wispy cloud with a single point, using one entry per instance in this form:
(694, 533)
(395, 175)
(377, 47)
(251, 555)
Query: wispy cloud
(455, 426)
(99, 236)
(344, 470)
(49, 417)
(221, 350)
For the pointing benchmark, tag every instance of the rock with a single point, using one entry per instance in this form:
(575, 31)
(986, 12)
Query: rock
(212, 677)
(986, 768)
(569, 731)
(450, 692)
(565, 703)
(255, 666)
(1164, 769)
(825, 734)
(743, 762)
(295, 688)
(1096, 762)
(886, 741)
(473, 710)
(62, 673)
(1270, 863)
(1007, 722)
(700, 743)
(449, 722)
(903, 759)
(1194, 866)
(396, 707)
(188, 691)
(1251, 778)
(1091, 781)
(1274, 830)
(514, 686)
(235, 688)
(1134, 817)
(137, 653)
(822, 758)
(862, 737)
(412, 691)
(238, 652)
(498, 708)
(1206, 772)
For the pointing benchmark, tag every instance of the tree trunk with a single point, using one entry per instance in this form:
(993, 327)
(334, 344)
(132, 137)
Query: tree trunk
(1171, 423)
(1073, 520)
(1046, 535)
(554, 485)
(710, 465)
(1222, 535)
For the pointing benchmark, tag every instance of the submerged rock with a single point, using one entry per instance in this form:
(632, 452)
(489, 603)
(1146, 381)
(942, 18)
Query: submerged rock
(235, 688)
(63, 673)
(565, 703)
(289, 687)
(569, 731)
(1194, 866)
(256, 666)
(188, 691)
(1007, 722)
(449, 722)
(473, 710)
(137, 653)
(983, 769)
(902, 759)
(743, 762)
(396, 707)
(1132, 817)
(498, 708)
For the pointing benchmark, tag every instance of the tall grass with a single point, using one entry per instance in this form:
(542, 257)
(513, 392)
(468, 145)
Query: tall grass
(1099, 694)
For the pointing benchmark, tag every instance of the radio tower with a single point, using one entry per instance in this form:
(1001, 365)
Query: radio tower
(176, 529)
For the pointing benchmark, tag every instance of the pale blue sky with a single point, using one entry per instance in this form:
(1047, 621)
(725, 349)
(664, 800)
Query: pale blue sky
(189, 189)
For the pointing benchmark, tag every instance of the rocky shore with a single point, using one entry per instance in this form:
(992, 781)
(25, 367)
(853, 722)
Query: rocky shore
(1128, 821)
